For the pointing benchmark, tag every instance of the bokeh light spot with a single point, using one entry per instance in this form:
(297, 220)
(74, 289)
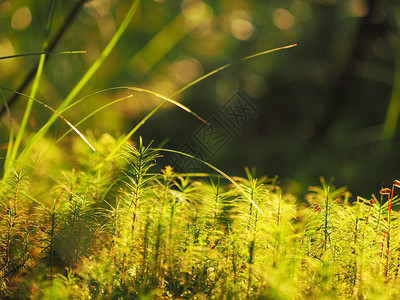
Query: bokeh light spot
(21, 18)
(186, 70)
(358, 8)
(6, 49)
(99, 8)
(283, 19)
(242, 29)
(193, 11)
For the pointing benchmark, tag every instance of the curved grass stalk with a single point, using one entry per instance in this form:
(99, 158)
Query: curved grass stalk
(56, 113)
(230, 64)
(240, 189)
(167, 99)
(89, 116)
(137, 89)
(41, 53)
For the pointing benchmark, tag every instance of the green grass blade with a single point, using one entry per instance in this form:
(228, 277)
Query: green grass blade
(35, 87)
(142, 90)
(220, 172)
(393, 111)
(88, 75)
(11, 136)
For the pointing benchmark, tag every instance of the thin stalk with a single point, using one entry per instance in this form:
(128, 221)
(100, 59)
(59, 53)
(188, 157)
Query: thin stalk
(138, 184)
(356, 248)
(385, 191)
(396, 183)
(279, 232)
(159, 257)
(326, 217)
(216, 189)
(170, 233)
(145, 249)
(360, 253)
(11, 136)
(252, 244)
(52, 227)
(54, 222)
(41, 53)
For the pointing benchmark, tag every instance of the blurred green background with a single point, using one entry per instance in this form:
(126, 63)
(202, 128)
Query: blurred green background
(328, 107)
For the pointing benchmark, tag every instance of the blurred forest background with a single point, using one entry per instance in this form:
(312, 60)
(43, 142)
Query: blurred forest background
(328, 107)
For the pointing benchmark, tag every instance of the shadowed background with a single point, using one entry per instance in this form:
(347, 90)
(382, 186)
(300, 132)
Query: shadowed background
(328, 107)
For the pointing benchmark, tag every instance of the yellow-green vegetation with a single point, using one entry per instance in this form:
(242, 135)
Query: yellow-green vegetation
(98, 217)
(125, 230)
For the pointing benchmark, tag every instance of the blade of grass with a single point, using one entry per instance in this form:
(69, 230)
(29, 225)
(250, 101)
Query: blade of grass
(219, 171)
(11, 136)
(40, 53)
(35, 87)
(88, 75)
(393, 110)
(90, 115)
